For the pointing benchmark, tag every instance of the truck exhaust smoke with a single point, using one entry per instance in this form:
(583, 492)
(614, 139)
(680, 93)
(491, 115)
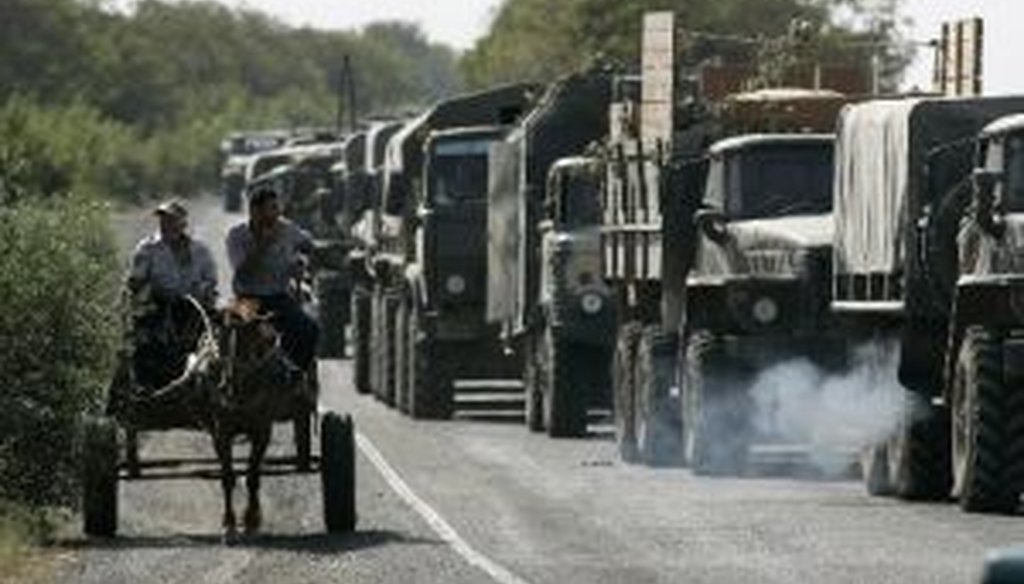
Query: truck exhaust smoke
(833, 414)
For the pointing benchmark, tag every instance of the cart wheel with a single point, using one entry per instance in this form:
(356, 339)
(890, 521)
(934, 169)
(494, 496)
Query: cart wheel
(338, 472)
(99, 480)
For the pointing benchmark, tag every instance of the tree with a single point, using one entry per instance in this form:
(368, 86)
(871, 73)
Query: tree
(542, 39)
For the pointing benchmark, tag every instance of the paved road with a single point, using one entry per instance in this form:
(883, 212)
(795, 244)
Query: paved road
(529, 509)
(480, 502)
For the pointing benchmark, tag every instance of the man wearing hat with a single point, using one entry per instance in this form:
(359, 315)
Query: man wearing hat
(170, 264)
(166, 267)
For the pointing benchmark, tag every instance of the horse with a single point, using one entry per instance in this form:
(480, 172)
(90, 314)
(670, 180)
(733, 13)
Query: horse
(242, 382)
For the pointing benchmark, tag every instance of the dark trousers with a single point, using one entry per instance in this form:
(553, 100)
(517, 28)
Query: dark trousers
(299, 331)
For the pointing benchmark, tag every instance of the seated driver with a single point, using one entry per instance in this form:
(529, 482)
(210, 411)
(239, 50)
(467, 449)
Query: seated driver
(266, 252)
(166, 267)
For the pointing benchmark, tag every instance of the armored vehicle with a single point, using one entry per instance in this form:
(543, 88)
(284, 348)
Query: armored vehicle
(544, 259)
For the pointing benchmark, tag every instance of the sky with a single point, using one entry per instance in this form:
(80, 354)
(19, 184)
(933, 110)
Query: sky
(460, 22)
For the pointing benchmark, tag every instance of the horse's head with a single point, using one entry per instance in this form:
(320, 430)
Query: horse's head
(247, 335)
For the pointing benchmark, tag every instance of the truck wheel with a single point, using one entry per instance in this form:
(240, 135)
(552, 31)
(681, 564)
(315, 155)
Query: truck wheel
(918, 453)
(565, 394)
(389, 333)
(431, 393)
(716, 410)
(99, 478)
(376, 318)
(981, 423)
(403, 363)
(361, 341)
(623, 407)
(533, 385)
(656, 411)
(338, 472)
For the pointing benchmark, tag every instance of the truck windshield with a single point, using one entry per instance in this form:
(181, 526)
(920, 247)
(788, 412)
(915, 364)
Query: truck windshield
(459, 171)
(1014, 195)
(779, 180)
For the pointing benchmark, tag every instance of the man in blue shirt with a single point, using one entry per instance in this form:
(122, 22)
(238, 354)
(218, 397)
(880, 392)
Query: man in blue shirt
(266, 254)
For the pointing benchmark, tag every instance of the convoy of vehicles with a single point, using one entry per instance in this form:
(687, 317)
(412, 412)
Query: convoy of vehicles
(692, 238)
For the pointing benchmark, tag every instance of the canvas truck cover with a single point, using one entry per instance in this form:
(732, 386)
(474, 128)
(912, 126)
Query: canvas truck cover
(882, 149)
(501, 106)
(504, 225)
(572, 114)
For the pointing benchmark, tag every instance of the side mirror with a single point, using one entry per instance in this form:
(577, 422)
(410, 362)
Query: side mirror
(985, 181)
(712, 223)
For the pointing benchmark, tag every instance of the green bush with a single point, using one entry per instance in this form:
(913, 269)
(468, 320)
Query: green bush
(58, 278)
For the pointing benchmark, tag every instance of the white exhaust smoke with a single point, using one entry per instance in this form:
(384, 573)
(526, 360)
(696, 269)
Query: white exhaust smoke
(832, 414)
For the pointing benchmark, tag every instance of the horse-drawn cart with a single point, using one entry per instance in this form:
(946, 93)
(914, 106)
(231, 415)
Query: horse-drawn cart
(223, 373)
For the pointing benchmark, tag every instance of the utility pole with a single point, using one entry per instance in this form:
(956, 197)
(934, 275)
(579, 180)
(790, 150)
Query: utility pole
(350, 87)
(346, 98)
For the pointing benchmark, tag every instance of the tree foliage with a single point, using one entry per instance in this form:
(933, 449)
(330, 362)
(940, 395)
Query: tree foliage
(542, 39)
(169, 79)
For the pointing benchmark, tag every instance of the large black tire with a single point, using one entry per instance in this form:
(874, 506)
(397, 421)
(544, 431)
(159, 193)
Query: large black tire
(338, 472)
(983, 415)
(431, 391)
(533, 384)
(361, 340)
(623, 408)
(388, 325)
(918, 453)
(716, 409)
(657, 411)
(403, 347)
(99, 478)
(565, 391)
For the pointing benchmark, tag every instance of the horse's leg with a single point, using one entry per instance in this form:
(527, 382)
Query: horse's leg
(260, 439)
(222, 445)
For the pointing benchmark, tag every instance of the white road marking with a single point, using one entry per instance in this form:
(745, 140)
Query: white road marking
(441, 527)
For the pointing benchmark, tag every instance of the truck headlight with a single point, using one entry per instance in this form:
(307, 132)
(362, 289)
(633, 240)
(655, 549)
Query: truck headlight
(591, 303)
(455, 284)
(765, 310)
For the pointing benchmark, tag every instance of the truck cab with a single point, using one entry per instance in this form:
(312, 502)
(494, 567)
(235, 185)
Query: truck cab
(758, 293)
(764, 235)
(451, 229)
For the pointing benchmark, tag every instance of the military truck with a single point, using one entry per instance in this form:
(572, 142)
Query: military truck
(361, 185)
(924, 256)
(716, 234)
(429, 262)
(544, 275)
